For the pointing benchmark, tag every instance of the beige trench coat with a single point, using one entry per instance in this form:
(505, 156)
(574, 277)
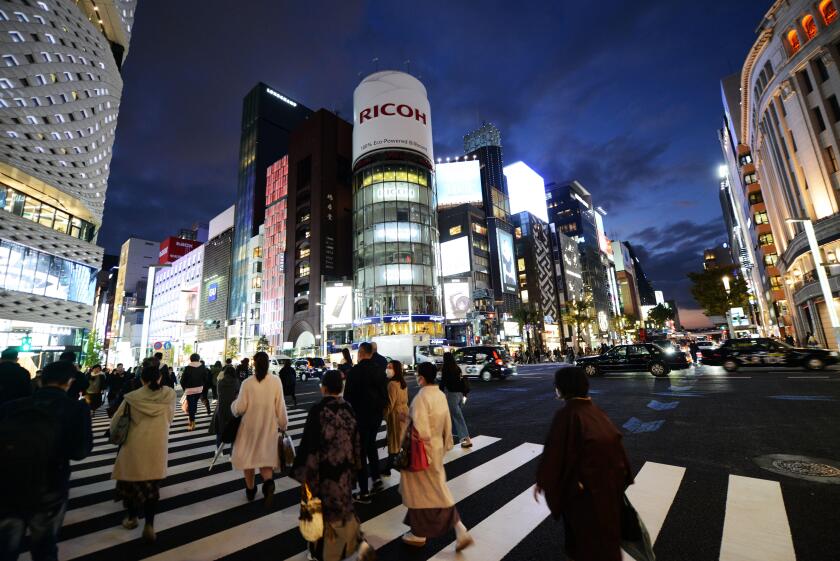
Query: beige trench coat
(396, 415)
(263, 411)
(143, 456)
(429, 414)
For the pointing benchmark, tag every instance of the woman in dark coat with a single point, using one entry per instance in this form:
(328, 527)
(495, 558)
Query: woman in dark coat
(584, 471)
(227, 389)
(288, 379)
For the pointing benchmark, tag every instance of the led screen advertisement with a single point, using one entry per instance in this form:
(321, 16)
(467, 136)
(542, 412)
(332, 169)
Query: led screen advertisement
(526, 189)
(338, 308)
(458, 183)
(455, 256)
(457, 299)
(507, 267)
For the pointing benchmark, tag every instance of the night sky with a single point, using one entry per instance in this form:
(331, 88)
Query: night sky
(621, 95)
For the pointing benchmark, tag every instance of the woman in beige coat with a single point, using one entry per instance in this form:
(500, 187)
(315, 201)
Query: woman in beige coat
(142, 458)
(396, 413)
(431, 508)
(263, 411)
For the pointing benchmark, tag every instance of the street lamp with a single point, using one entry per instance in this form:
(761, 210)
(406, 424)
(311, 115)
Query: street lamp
(821, 275)
(727, 288)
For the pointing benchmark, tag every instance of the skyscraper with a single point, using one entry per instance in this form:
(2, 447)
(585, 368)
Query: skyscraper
(268, 117)
(60, 89)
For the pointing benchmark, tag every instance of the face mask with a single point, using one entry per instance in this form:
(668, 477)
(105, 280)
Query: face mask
(389, 372)
(557, 393)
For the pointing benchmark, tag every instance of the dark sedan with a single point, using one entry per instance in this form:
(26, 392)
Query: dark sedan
(641, 357)
(736, 353)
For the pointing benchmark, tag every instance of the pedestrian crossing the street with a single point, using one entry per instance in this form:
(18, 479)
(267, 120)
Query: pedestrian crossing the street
(203, 513)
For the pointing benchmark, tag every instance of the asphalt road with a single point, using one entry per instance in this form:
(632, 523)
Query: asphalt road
(712, 423)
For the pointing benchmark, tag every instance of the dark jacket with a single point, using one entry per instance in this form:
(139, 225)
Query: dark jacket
(288, 378)
(226, 391)
(451, 380)
(366, 390)
(79, 385)
(14, 381)
(194, 377)
(329, 456)
(380, 361)
(75, 440)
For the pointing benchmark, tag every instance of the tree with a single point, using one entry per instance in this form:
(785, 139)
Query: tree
(578, 313)
(660, 315)
(709, 291)
(93, 350)
(232, 348)
(263, 344)
(527, 317)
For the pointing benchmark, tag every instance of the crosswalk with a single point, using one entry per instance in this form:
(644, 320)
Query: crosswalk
(203, 513)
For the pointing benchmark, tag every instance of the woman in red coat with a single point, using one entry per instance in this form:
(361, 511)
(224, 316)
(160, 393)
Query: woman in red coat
(584, 471)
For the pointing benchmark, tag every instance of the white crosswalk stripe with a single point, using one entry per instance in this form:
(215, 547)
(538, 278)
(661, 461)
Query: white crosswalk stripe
(204, 514)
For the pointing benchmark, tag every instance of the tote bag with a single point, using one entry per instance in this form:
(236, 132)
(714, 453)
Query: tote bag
(418, 460)
(311, 521)
(119, 435)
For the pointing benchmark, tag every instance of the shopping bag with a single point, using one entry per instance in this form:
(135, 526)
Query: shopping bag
(119, 435)
(635, 539)
(311, 520)
(418, 460)
(185, 407)
(286, 450)
(403, 457)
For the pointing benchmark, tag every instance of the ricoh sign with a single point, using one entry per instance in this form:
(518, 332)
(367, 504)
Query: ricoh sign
(172, 249)
(391, 111)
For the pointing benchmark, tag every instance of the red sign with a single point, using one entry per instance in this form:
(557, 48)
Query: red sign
(172, 249)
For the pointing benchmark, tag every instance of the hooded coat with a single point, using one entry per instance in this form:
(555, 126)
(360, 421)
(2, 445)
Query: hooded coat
(143, 456)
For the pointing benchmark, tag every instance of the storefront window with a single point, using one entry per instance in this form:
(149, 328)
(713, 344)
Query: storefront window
(30, 208)
(31, 271)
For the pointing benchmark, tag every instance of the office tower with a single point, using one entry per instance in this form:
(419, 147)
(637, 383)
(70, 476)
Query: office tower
(272, 306)
(215, 283)
(319, 247)
(647, 297)
(60, 89)
(268, 118)
(719, 257)
(628, 285)
(394, 219)
(125, 335)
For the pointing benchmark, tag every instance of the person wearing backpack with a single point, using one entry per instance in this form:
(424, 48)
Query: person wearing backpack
(14, 379)
(39, 435)
(192, 381)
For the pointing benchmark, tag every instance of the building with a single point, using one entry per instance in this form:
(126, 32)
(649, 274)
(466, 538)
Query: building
(319, 204)
(103, 304)
(268, 118)
(60, 89)
(536, 277)
(125, 336)
(272, 305)
(213, 329)
(174, 307)
(744, 214)
(395, 227)
(719, 257)
(790, 120)
(647, 297)
(485, 145)
(573, 214)
(628, 286)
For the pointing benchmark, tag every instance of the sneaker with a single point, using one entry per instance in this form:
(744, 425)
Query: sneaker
(412, 540)
(129, 523)
(464, 542)
(149, 533)
(378, 486)
(466, 443)
(362, 498)
(366, 552)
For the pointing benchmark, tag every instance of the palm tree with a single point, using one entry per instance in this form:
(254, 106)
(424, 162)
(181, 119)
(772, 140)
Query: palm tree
(527, 317)
(577, 314)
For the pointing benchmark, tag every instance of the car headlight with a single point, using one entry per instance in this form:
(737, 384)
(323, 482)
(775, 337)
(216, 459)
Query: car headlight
(834, 353)
(669, 351)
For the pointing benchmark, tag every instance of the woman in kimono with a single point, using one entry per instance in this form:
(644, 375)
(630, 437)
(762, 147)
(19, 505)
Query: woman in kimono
(431, 508)
(584, 471)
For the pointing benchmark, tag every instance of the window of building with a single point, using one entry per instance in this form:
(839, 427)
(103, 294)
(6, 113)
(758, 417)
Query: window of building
(520, 264)
(761, 217)
(455, 230)
(809, 26)
(755, 198)
(828, 11)
(776, 283)
(822, 71)
(831, 160)
(3, 16)
(745, 159)
(805, 80)
(16, 37)
(770, 259)
(21, 17)
(818, 119)
(766, 239)
(750, 178)
(479, 229)
(5, 84)
(10, 60)
(793, 41)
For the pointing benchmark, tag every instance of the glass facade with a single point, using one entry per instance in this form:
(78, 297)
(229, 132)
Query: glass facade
(20, 204)
(27, 270)
(395, 262)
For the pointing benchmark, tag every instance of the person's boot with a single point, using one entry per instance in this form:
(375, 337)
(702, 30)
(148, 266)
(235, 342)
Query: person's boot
(129, 523)
(250, 493)
(149, 533)
(268, 493)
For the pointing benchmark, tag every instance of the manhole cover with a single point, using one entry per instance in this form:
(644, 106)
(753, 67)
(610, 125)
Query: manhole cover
(814, 469)
(819, 470)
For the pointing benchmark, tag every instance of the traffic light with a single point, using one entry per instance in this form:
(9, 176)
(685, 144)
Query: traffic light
(26, 344)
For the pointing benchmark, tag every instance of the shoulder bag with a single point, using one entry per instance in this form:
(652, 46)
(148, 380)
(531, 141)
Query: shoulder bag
(286, 449)
(230, 429)
(311, 521)
(119, 435)
(403, 457)
(418, 460)
(635, 540)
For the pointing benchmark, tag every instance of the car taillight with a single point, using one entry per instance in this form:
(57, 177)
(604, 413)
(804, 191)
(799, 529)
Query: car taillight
(499, 361)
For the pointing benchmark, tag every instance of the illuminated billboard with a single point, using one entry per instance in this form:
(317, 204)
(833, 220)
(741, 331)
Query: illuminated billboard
(507, 267)
(526, 189)
(457, 299)
(458, 183)
(172, 249)
(338, 308)
(455, 256)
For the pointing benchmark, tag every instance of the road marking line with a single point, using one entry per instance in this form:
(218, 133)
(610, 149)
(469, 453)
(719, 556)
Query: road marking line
(500, 532)
(240, 537)
(807, 377)
(653, 494)
(755, 527)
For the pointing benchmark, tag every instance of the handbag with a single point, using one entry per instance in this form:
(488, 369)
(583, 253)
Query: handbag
(403, 458)
(185, 407)
(119, 435)
(311, 521)
(230, 429)
(286, 450)
(635, 539)
(418, 460)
